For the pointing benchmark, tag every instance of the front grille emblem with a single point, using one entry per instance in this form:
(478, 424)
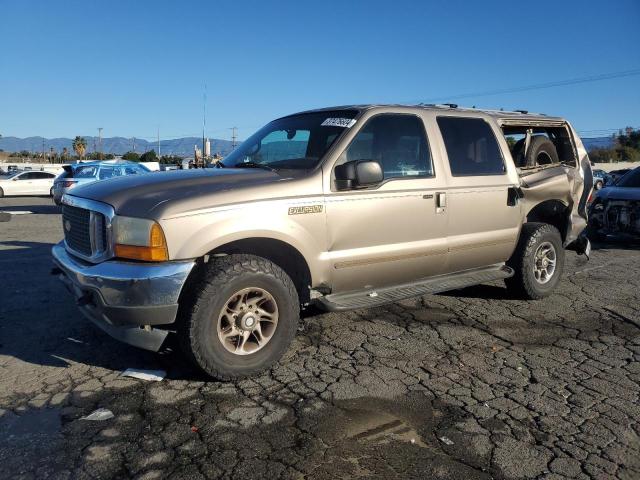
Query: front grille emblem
(67, 226)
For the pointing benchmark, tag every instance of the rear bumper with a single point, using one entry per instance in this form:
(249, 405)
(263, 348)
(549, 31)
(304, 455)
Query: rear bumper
(125, 299)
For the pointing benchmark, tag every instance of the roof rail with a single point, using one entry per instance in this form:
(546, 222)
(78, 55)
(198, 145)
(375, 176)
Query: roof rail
(522, 111)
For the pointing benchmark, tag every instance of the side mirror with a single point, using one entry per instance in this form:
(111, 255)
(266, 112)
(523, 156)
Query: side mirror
(358, 174)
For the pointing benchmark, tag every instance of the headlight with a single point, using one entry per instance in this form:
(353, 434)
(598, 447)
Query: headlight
(139, 239)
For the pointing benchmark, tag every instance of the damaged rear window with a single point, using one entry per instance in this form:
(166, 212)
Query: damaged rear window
(539, 146)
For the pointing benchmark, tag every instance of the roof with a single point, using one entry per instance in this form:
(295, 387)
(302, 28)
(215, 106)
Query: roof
(100, 162)
(497, 114)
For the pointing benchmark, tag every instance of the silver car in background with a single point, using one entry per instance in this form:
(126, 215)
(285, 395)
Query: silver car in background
(82, 173)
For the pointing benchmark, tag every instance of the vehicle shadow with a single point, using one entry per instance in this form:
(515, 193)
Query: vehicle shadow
(52, 209)
(488, 292)
(618, 243)
(41, 325)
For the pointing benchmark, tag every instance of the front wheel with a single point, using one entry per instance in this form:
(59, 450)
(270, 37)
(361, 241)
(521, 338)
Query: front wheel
(241, 319)
(538, 261)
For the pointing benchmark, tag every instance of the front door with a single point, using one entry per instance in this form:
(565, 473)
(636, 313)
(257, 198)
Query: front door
(24, 184)
(390, 233)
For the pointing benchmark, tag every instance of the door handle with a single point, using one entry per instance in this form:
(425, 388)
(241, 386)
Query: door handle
(441, 202)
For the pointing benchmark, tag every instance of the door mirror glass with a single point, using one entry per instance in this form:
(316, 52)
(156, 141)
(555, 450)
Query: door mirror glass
(358, 174)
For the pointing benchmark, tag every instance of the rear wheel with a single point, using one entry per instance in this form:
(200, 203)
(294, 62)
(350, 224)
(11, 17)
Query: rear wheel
(241, 319)
(538, 261)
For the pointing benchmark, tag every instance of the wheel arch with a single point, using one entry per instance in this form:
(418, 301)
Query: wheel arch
(281, 253)
(553, 211)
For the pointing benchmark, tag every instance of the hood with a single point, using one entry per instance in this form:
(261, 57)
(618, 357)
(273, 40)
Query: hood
(152, 195)
(619, 193)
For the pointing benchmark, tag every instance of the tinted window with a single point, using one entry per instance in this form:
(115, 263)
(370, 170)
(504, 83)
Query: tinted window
(41, 175)
(133, 169)
(471, 146)
(107, 172)
(397, 142)
(85, 172)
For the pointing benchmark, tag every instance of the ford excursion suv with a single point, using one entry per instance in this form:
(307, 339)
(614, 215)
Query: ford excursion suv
(342, 208)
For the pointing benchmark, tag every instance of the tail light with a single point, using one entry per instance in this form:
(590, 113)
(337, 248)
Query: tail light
(67, 183)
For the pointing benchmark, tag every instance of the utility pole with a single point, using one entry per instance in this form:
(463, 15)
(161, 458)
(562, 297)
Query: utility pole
(234, 136)
(99, 143)
(43, 149)
(133, 144)
(158, 141)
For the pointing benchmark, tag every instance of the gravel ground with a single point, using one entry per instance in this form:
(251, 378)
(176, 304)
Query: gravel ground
(468, 385)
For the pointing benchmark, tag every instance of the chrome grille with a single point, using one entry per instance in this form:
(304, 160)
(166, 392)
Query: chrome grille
(84, 230)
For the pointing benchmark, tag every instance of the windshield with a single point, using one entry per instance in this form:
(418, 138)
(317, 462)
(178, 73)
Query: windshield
(297, 142)
(630, 180)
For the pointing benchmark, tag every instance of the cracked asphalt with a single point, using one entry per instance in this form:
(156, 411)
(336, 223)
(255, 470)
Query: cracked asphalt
(467, 385)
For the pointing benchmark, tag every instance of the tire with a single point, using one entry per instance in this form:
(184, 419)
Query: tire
(541, 151)
(1, 193)
(202, 317)
(535, 238)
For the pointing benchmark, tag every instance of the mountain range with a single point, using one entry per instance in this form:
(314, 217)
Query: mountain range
(179, 146)
(117, 145)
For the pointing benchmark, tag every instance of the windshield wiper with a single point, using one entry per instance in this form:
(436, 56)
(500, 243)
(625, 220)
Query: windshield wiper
(254, 165)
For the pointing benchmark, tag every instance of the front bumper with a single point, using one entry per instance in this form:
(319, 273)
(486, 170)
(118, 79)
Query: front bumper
(125, 299)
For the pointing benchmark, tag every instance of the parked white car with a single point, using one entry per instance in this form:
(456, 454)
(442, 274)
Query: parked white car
(27, 183)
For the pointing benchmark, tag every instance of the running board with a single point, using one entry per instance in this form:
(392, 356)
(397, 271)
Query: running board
(441, 283)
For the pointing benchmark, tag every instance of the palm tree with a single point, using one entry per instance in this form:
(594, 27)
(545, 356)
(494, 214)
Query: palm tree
(65, 153)
(79, 146)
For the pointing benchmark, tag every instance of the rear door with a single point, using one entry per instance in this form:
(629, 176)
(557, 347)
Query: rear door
(42, 182)
(484, 214)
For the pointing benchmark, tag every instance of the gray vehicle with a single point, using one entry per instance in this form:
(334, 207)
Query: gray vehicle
(87, 172)
(343, 208)
(615, 210)
(600, 179)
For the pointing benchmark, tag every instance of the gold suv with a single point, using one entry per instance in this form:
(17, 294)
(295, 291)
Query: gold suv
(345, 208)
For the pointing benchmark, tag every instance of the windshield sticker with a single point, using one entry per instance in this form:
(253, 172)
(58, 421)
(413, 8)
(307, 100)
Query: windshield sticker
(339, 122)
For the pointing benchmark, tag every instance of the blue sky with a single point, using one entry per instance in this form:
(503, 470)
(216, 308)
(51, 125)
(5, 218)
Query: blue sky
(68, 67)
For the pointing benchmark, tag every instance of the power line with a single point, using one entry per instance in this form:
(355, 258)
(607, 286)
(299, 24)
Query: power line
(538, 86)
